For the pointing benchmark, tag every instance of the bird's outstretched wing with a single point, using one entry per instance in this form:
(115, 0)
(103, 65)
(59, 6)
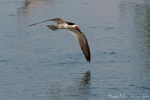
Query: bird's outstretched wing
(58, 20)
(81, 38)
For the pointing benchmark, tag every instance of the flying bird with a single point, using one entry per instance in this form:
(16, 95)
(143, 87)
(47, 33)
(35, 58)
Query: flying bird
(74, 29)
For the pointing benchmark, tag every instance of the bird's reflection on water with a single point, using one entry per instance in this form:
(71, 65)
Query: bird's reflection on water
(80, 90)
(85, 79)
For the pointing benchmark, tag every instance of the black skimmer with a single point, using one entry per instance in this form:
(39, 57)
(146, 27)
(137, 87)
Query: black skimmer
(73, 28)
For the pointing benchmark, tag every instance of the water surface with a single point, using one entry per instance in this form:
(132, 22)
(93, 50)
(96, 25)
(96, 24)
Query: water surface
(39, 64)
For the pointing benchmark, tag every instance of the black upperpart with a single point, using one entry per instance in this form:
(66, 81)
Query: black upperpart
(69, 23)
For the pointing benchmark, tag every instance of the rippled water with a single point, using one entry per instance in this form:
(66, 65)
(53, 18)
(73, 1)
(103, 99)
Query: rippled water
(39, 64)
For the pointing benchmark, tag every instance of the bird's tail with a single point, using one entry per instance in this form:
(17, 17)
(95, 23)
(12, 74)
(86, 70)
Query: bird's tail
(52, 27)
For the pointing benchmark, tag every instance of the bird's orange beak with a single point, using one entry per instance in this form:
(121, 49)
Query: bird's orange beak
(76, 27)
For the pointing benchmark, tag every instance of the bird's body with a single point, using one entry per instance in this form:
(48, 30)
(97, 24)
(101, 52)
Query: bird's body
(73, 28)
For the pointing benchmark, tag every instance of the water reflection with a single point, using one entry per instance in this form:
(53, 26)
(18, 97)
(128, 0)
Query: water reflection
(142, 21)
(85, 80)
(135, 17)
(80, 90)
(29, 8)
(28, 4)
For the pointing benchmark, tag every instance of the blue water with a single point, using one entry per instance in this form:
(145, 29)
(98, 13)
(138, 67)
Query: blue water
(39, 64)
